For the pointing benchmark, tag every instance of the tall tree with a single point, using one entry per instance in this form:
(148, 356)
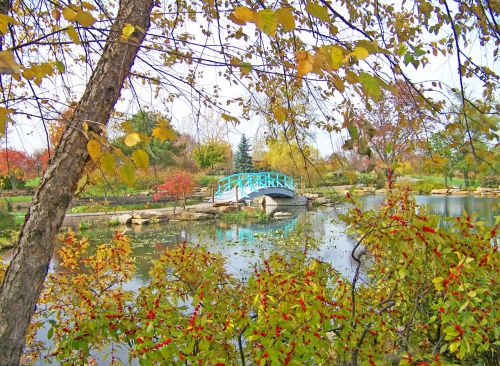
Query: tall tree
(30, 261)
(211, 153)
(243, 158)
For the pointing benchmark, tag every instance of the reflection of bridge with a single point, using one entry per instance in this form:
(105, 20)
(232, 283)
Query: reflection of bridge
(244, 186)
(247, 233)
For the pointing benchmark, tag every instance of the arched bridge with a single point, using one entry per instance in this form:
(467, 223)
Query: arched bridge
(244, 186)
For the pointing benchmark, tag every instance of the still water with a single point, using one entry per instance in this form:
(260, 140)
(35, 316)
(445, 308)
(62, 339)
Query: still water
(244, 244)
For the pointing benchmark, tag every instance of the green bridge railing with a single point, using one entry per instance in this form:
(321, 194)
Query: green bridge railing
(252, 182)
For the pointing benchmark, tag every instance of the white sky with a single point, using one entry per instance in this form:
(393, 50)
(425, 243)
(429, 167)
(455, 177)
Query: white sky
(28, 136)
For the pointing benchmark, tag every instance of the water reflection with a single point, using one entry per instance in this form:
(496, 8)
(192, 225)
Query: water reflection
(243, 245)
(485, 208)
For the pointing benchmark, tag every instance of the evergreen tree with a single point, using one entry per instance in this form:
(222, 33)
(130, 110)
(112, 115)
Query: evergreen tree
(243, 159)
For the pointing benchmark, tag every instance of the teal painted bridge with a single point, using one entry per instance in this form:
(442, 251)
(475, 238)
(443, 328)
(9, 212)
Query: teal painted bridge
(245, 186)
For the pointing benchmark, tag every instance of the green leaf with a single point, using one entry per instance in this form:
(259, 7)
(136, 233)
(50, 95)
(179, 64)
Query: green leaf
(265, 20)
(246, 68)
(371, 85)
(140, 158)
(353, 131)
(127, 174)
(318, 11)
(107, 163)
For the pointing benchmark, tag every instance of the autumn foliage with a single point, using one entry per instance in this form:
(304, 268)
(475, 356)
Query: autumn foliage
(17, 163)
(177, 185)
(421, 294)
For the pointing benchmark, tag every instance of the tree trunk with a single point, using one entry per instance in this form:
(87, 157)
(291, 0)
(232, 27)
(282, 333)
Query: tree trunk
(466, 178)
(27, 270)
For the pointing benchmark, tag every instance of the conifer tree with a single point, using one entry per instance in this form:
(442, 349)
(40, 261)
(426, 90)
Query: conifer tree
(243, 159)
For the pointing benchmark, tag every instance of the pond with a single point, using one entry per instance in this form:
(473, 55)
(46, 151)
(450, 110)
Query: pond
(243, 245)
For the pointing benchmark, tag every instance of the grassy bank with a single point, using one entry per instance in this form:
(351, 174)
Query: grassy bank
(242, 217)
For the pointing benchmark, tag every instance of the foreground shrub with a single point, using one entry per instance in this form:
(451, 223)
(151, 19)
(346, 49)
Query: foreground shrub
(420, 294)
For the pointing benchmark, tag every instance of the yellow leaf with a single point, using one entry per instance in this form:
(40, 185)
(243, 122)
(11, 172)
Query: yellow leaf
(265, 20)
(128, 30)
(140, 158)
(94, 149)
(304, 63)
(8, 64)
(132, 139)
(243, 14)
(85, 18)
(472, 293)
(336, 58)
(163, 133)
(88, 6)
(438, 283)
(454, 346)
(5, 20)
(285, 18)
(107, 163)
(56, 14)
(360, 52)
(339, 83)
(127, 174)
(4, 117)
(351, 77)
(318, 11)
(73, 34)
(69, 14)
(279, 114)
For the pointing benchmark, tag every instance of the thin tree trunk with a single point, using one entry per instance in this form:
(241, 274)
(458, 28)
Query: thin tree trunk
(27, 270)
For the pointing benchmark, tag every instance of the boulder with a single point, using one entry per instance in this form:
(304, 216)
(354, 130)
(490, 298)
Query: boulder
(440, 191)
(124, 219)
(281, 214)
(226, 209)
(140, 221)
(323, 200)
(221, 204)
(311, 196)
(195, 216)
(259, 202)
(147, 215)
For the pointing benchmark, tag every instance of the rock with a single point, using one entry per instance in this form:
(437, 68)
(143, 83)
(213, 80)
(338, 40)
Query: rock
(380, 191)
(323, 200)
(209, 210)
(195, 216)
(311, 196)
(281, 214)
(259, 202)
(460, 193)
(140, 221)
(124, 219)
(226, 209)
(440, 191)
(295, 201)
(147, 215)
